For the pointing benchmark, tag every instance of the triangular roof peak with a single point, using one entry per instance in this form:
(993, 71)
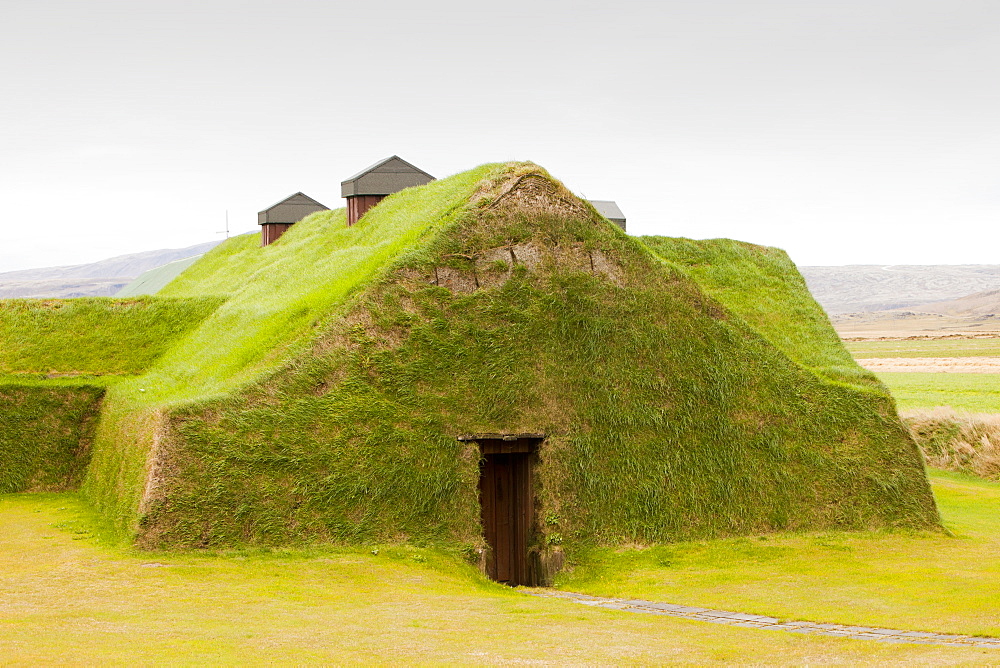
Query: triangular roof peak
(391, 165)
(290, 210)
(297, 198)
(385, 177)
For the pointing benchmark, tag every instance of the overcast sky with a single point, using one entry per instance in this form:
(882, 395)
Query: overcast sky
(846, 132)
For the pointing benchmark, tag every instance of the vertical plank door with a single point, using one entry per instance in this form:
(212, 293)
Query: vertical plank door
(506, 500)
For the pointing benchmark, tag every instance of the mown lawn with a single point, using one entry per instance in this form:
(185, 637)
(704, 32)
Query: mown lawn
(916, 581)
(925, 348)
(972, 392)
(66, 596)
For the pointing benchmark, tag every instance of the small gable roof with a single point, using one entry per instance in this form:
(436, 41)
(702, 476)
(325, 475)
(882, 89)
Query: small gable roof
(384, 178)
(290, 210)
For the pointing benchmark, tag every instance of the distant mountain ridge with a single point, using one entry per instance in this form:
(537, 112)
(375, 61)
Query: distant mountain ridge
(95, 279)
(976, 315)
(859, 288)
(62, 288)
(978, 304)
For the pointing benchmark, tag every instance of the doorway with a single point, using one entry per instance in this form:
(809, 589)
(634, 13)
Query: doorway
(507, 503)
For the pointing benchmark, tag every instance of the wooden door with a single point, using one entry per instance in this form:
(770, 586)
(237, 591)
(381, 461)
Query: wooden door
(506, 494)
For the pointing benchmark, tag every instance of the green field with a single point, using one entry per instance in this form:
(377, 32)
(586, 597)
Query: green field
(69, 596)
(922, 581)
(925, 348)
(972, 392)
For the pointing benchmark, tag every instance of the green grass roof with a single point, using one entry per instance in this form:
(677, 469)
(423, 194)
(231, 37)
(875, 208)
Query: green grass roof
(685, 388)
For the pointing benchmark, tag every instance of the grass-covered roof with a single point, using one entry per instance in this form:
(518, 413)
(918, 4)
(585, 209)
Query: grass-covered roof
(685, 388)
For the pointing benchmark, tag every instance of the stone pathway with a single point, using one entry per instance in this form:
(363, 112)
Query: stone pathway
(768, 623)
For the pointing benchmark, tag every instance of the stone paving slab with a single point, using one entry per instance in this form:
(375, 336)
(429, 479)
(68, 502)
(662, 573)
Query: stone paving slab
(769, 623)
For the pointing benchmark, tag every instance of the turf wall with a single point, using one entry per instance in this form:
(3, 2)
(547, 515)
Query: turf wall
(46, 434)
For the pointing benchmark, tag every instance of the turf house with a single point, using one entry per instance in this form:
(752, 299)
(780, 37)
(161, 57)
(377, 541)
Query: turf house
(483, 362)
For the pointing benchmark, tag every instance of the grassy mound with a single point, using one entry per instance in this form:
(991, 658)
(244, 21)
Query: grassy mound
(763, 286)
(277, 299)
(322, 400)
(93, 336)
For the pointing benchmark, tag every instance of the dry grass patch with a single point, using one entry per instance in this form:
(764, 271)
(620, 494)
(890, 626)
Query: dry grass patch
(956, 441)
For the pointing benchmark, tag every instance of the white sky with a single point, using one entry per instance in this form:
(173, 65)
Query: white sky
(845, 131)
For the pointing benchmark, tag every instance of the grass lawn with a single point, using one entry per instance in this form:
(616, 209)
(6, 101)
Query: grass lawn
(972, 392)
(67, 596)
(925, 348)
(914, 581)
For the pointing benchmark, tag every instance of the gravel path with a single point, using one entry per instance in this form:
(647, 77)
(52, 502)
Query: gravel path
(769, 623)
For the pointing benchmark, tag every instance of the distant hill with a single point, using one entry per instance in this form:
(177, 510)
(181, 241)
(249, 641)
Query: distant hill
(96, 279)
(61, 288)
(856, 288)
(154, 280)
(974, 315)
(978, 304)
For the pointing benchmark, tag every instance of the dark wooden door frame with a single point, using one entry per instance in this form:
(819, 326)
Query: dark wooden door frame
(507, 504)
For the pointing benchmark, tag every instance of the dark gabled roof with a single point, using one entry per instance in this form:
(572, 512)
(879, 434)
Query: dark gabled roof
(290, 210)
(384, 178)
(387, 166)
(300, 198)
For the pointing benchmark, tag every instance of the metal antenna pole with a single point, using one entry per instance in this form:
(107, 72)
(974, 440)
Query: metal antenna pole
(226, 231)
